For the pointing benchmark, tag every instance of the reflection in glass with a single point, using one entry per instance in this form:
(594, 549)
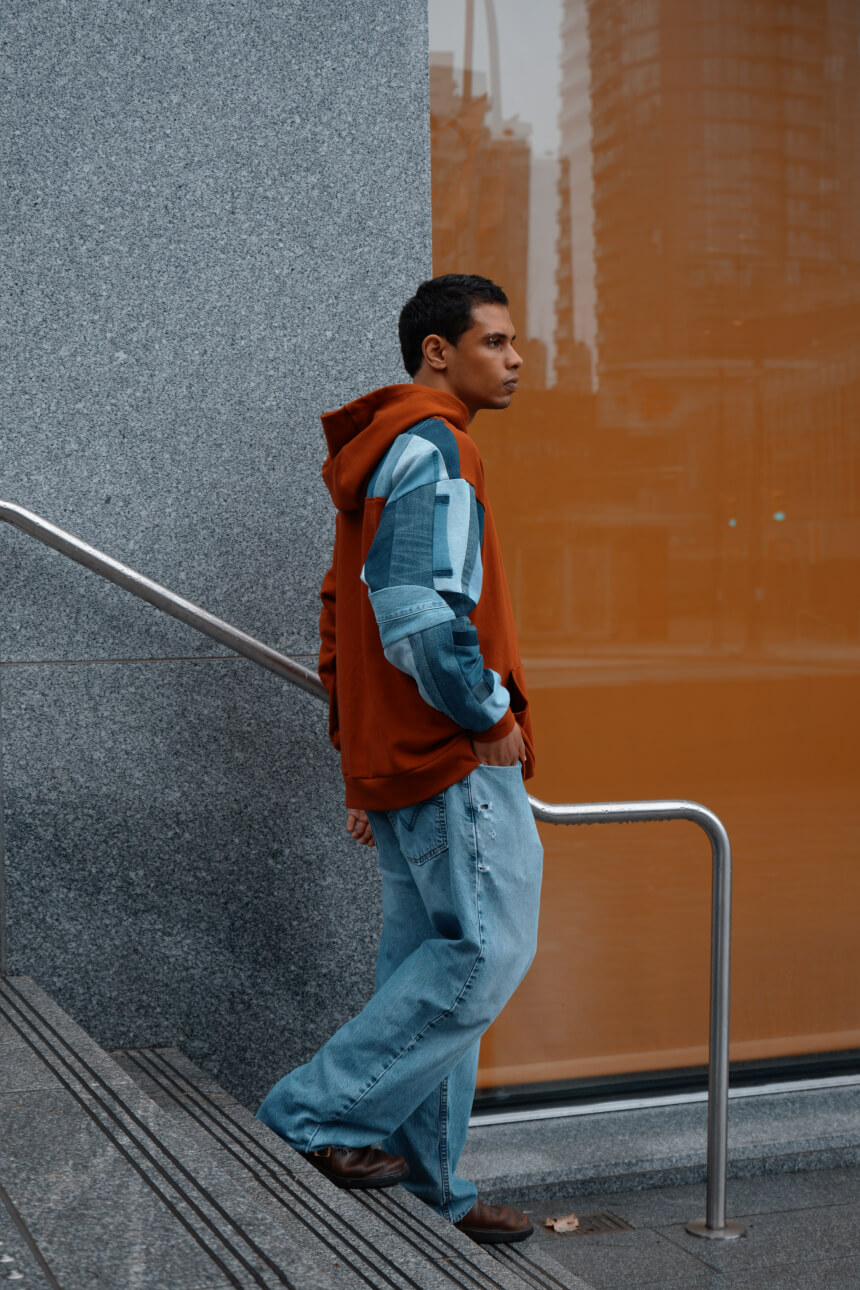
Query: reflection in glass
(670, 195)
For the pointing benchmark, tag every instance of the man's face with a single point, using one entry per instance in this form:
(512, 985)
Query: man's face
(483, 367)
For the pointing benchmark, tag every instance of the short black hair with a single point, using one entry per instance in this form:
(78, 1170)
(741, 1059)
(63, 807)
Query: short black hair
(443, 307)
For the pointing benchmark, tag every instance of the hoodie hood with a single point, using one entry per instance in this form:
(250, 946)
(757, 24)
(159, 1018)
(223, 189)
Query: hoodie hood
(359, 434)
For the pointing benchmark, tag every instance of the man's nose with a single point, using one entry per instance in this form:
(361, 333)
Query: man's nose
(514, 359)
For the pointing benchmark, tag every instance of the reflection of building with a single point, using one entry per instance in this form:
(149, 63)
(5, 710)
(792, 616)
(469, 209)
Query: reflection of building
(572, 357)
(725, 163)
(481, 195)
(721, 153)
(575, 126)
(725, 149)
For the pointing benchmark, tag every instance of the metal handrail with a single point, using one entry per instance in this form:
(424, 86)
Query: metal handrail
(715, 1223)
(287, 668)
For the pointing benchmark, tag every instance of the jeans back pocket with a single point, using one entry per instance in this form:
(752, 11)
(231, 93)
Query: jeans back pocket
(421, 829)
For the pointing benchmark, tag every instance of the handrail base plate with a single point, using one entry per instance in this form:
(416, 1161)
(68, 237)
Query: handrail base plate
(730, 1232)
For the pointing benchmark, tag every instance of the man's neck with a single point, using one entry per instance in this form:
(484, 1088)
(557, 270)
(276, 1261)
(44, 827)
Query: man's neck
(439, 381)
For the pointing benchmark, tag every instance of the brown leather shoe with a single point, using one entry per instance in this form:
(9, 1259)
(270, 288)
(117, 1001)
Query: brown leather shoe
(495, 1224)
(354, 1167)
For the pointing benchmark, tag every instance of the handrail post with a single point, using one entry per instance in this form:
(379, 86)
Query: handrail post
(715, 1224)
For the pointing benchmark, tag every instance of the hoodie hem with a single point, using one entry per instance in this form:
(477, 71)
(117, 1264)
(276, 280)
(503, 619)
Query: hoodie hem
(392, 792)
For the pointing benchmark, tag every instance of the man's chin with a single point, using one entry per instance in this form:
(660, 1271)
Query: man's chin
(502, 400)
(497, 403)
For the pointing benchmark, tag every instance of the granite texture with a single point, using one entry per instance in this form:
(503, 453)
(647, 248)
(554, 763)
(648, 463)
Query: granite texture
(624, 1258)
(91, 1215)
(662, 1207)
(113, 1191)
(782, 1238)
(178, 868)
(20, 1068)
(536, 1267)
(389, 1234)
(213, 214)
(662, 1146)
(18, 1263)
(802, 1231)
(53, 1138)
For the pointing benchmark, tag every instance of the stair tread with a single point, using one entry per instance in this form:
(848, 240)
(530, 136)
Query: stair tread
(136, 1169)
(386, 1217)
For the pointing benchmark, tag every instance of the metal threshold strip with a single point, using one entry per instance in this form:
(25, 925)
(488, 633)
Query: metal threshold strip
(659, 1099)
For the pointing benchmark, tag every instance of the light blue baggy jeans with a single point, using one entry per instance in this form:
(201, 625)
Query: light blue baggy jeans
(460, 891)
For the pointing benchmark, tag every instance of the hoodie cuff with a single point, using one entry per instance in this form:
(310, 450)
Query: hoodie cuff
(503, 727)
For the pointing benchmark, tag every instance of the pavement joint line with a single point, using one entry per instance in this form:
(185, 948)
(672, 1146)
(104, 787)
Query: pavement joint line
(139, 658)
(136, 658)
(192, 1204)
(355, 1250)
(694, 1254)
(219, 1114)
(28, 1238)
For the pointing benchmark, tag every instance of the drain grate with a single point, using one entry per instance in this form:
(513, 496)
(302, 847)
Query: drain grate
(603, 1221)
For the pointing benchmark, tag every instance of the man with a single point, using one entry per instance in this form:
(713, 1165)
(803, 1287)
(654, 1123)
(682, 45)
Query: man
(428, 708)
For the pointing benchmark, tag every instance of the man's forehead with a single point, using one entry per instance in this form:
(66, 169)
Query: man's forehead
(489, 317)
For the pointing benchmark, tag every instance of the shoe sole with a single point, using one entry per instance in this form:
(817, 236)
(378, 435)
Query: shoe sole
(484, 1237)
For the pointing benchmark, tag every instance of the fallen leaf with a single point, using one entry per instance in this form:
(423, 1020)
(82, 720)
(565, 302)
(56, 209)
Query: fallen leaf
(569, 1223)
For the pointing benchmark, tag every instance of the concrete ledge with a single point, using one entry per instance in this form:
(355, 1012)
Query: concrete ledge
(661, 1146)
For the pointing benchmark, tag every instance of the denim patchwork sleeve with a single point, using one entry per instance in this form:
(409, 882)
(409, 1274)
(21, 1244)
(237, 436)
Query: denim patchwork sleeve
(423, 572)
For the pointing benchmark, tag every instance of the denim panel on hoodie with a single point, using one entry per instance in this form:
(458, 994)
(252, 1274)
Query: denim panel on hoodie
(418, 645)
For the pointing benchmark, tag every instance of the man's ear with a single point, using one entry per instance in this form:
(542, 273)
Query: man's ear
(433, 348)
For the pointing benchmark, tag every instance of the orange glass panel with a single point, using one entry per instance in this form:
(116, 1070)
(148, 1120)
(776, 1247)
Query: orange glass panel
(670, 195)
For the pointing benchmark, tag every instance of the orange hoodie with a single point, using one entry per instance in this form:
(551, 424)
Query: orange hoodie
(398, 737)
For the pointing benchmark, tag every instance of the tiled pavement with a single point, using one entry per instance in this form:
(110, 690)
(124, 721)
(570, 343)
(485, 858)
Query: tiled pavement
(803, 1233)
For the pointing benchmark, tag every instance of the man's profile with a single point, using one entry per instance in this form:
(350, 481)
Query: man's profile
(429, 711)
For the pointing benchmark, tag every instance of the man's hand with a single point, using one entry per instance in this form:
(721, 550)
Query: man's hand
(502, 752)
(358, 827)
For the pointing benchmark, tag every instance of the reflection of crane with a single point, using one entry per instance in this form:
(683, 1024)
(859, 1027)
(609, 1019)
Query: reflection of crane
(495, 115)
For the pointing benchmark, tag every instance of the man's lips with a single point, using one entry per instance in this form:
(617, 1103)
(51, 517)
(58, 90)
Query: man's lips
(512, 384)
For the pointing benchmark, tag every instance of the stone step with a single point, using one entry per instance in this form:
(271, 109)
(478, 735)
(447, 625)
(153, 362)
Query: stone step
(162, 1181)
(262, 1163)
(788, 1129)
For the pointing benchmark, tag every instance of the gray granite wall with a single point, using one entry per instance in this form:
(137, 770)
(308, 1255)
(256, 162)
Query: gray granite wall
(213, 213)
